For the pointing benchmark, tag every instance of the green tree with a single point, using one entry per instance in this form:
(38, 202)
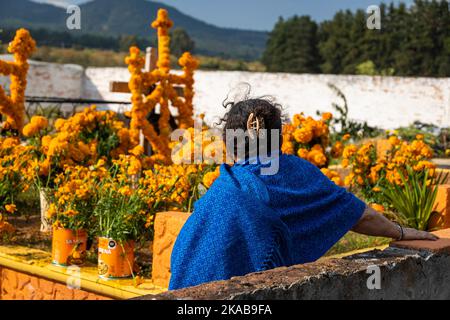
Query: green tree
(127, 41)
(181, 42)
(413, 41)
(292, 46)
(335, 42)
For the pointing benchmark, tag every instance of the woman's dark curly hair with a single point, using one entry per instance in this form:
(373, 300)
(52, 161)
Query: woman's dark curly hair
(264, 109)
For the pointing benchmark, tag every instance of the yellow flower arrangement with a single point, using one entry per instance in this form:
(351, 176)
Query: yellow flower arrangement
(37, 124)
(13, 106)
(163, 92)
(370, 171)
(210, 177)
(15, 176)
(82, 139)
(310, 139)
(73, 198)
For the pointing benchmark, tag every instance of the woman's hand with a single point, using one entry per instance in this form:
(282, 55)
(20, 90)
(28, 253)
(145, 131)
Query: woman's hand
(375, 224)
(413, 234)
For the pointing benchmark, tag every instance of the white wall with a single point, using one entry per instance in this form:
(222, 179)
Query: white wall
(387, 102)
(51, 79)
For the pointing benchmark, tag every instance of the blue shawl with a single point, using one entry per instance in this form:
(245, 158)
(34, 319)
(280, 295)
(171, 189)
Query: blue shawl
(249, 222)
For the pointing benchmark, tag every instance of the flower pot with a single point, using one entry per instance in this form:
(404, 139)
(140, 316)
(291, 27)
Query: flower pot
(68, 247)
(115, 259)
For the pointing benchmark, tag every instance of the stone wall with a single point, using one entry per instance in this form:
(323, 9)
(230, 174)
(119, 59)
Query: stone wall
(387, 102)
(407, 270)
(16, 285)
(169, 224)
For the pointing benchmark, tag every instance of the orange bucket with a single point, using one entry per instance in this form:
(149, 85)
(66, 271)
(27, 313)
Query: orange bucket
(115, 259)
(68, 246)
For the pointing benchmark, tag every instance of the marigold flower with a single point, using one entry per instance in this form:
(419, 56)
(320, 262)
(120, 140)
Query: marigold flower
(327, 116)
(303, 153)
(303, 135)
(10, 208)
(377, 207)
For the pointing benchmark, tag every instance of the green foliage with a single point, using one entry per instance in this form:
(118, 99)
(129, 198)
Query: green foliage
(437, 138)
(368, 68)
(354, 241)
(412, 42)
(127, 41)
(108, 58)
(181, 42)
(215, 63)
(292, 46)
(104, 21)
(414, 200)
(119, 216)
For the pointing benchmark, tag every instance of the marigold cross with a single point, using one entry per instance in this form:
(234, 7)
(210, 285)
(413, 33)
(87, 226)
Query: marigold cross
(159, 87)
(13, 106)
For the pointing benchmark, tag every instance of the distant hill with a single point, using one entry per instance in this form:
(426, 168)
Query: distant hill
(133, 17)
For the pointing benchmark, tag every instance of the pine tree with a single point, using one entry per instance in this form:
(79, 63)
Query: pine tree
(292, 46)
(181, 42)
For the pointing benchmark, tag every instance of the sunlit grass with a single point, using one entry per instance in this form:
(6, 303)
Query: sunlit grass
(353, 241)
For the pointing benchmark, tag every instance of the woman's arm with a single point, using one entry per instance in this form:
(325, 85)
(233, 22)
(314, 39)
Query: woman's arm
(375, 224)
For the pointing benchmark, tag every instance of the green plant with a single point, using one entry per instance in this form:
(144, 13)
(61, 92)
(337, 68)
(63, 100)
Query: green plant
(434, 136)
(127, 202)
(341, 124)
(414, 199)
(370, 69)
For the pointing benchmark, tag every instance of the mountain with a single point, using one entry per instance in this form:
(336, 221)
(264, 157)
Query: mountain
(133, 17)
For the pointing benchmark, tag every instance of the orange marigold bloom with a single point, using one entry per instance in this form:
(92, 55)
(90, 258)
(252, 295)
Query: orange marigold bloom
(317, 158)
(287, 147)
(303, 135)
(303, 153)
(327, 116)
(377, 207)
(11, 208)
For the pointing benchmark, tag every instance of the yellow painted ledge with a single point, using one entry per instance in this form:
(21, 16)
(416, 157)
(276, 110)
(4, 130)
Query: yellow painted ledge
(38, 263)
(351, 253)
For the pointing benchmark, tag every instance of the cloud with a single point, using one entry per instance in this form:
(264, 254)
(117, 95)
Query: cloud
(61, 3)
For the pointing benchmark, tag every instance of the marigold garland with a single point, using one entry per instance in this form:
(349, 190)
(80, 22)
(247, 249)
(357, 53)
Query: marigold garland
(13, 106)
(164, 91)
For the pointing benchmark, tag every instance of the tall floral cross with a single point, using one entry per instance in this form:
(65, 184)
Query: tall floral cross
(13, 106)
(163, 83)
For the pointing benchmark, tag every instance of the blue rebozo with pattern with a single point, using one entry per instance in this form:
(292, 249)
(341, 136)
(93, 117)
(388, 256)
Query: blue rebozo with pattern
(250, 222)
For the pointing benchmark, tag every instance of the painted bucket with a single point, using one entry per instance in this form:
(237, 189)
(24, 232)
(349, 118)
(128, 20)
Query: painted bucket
(68, 247)
(115, 259)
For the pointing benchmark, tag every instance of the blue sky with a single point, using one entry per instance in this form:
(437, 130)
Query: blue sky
(254, 14)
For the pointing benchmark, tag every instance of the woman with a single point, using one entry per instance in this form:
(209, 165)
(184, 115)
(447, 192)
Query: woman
(249, 222)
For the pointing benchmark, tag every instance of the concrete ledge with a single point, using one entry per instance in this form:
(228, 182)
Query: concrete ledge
(27, 273)
(407, 269)
(405, 274)
(440, 246)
